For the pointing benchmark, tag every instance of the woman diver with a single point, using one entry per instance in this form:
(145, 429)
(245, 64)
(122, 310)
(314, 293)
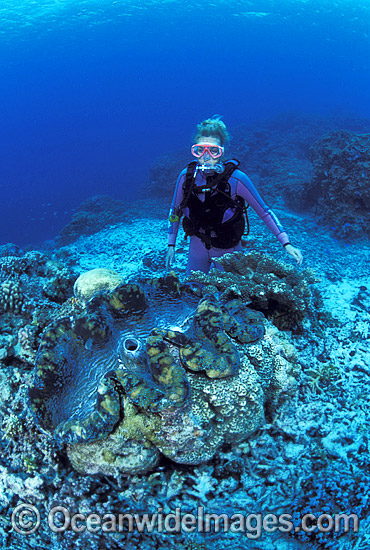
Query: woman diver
(212, 195)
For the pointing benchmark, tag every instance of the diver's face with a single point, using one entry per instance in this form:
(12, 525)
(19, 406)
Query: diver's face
(206, 157)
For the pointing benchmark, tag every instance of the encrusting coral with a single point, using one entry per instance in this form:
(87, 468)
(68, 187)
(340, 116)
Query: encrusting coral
(156, 372)
(285, 296)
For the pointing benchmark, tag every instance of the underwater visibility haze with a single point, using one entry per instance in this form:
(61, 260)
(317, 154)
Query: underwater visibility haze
(91, 92)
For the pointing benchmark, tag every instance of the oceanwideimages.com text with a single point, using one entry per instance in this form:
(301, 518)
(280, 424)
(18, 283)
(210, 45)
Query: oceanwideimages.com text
(26, 519)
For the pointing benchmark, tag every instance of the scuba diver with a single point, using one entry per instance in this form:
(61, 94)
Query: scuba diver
(212, 196)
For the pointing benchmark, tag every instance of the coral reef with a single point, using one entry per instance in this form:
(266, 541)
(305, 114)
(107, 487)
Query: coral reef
(314, 436)
(311, 456)
(339, 191)
(286, 296)
(10, 249)
(150, 391)
(33, 285)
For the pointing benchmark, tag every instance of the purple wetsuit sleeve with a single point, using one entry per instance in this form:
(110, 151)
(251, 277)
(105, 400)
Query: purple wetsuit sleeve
(245, 189)
(173, 227)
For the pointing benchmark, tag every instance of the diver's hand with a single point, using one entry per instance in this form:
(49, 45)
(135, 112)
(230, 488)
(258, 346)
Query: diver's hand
(170, 257)
(295, 253)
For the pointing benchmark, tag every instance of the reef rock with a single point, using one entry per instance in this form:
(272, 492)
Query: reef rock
(149, 369)
(339, 191)
(93, 214)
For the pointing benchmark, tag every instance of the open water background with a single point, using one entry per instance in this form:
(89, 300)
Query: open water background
(92, 92)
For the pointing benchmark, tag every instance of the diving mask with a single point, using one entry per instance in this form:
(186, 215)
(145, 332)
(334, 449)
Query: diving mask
(214, 151)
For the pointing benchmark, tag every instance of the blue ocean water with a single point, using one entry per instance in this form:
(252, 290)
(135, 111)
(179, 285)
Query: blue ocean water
(91, 92)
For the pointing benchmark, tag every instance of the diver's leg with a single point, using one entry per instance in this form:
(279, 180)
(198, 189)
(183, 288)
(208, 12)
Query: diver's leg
(199, 257)
(218, 252)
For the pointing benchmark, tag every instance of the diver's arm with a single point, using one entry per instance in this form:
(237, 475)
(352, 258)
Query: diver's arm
(175, 215)
(173, 226)
(246, 190)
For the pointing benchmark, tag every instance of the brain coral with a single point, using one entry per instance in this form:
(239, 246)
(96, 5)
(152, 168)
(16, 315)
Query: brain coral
(149, 369)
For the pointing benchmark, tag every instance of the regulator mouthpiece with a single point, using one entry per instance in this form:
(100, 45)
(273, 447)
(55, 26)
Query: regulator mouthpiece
(207, 169)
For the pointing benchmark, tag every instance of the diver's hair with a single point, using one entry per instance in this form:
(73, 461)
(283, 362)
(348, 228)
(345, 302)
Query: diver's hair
(212, 127)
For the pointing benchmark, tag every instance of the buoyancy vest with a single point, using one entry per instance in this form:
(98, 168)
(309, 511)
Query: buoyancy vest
(205, 219)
